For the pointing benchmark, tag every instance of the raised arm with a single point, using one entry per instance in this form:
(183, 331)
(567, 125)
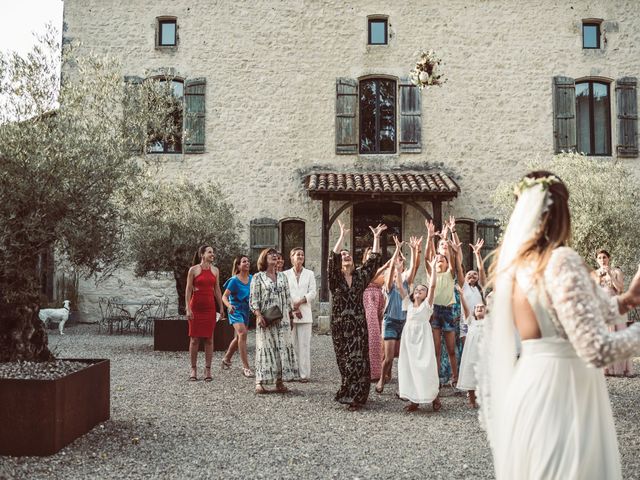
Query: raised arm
(456, 248)
(429, 249)
(482, 276)
(583, 311)
(388, 280)
(399, 282)
(377, 231)
(343, 233)
(433, 279)
(416, 244)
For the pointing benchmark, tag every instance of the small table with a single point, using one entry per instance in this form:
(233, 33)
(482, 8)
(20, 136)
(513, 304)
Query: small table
(124, 308)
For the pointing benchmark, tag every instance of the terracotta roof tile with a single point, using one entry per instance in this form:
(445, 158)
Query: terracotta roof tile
(435, 182)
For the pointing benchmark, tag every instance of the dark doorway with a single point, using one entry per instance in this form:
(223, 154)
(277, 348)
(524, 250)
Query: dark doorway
(373, 213)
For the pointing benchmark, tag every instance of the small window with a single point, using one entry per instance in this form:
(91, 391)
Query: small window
(591, 35)
(167, 33)
(378, 31)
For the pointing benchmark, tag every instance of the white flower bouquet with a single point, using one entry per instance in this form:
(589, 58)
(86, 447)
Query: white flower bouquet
(425, 73)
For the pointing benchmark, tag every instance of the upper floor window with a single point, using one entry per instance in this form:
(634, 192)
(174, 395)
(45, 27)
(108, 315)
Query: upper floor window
(591, 35)
(377, 116)
(593, 118)
(378, 31)
(171, 142)
(167, 35)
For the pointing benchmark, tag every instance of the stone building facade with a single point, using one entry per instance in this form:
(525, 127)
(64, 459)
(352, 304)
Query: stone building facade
(282, 87)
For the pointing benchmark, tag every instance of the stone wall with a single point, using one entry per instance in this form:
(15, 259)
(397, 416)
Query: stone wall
(271, 68)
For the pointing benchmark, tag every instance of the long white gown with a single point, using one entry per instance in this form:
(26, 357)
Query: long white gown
(558, 423)
(418, 379)
(470, 356)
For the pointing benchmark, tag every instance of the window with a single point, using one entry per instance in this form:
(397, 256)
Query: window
(593, 118)
(292, 237)
(377, 116)
(591, 35)
(489, 230)
(372, 213)
(378, 31)
(172, 142)
(167, 32)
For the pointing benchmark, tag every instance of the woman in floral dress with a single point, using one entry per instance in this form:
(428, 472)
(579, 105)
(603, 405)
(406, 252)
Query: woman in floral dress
(348, 322)
(374, 301)
(275, 357)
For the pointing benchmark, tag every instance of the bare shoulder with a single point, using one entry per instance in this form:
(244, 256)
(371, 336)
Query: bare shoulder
(195, 270)
(215, 271)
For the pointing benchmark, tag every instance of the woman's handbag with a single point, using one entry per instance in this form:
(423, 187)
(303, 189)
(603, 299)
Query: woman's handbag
(272, 315)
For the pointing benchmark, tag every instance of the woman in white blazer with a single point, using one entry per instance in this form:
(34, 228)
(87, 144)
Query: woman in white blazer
(302, 284)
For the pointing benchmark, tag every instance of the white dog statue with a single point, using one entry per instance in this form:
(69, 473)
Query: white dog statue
(56, 314)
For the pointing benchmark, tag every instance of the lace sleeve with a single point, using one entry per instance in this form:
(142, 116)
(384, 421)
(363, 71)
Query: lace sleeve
(583, 312)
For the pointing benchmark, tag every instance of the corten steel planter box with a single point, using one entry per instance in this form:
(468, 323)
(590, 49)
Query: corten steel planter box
(172, 335)
(39, 417)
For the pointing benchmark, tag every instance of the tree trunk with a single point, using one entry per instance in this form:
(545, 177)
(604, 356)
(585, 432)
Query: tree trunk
(180, 276)
(22, 334)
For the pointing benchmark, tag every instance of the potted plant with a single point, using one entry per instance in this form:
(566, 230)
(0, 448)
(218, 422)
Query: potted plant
(66, 178)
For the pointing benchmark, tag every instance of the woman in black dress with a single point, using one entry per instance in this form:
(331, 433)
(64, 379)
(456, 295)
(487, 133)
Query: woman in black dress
(348, 321)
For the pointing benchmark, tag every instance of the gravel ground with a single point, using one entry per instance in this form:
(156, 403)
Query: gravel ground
(162, 426)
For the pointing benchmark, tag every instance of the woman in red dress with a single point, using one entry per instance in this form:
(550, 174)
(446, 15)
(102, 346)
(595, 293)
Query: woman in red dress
(201, 298)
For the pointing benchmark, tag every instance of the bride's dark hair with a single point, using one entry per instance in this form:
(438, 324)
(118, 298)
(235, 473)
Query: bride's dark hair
(554, 230)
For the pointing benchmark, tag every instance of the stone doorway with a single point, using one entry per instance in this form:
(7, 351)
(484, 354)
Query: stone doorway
(372, 213)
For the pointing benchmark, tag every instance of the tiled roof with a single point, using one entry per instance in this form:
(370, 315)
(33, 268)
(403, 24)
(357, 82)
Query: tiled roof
(403, 183)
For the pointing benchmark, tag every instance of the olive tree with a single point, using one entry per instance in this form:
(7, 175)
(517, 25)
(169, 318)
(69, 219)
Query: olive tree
(170, 221)
(604, 205)
(66, 173)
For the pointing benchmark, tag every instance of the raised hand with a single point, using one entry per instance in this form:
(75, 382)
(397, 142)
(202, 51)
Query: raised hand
(397, 242)
(415, 242)
(343, 230)
(455, 246)
(477, 246)
(378, 230)
(452, 223)
(431, 228)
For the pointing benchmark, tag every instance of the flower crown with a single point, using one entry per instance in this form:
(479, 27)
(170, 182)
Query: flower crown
(528, 182)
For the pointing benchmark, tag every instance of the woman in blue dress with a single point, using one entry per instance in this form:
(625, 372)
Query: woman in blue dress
(236, 298)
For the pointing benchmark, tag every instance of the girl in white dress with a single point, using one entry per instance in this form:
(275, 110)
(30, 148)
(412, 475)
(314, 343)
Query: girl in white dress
(470, 354)
(547, 413)
(418, 379)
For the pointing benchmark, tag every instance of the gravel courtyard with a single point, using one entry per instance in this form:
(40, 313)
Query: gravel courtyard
(163, 426)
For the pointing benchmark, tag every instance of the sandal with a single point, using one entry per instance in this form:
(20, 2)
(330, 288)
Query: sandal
(379, 389)
(207, 378)
(225, 365)
(437, 405)
(247, 373)
(281, 388)
(412, 407)
(260, 390)
(193, 377)
(354, 407)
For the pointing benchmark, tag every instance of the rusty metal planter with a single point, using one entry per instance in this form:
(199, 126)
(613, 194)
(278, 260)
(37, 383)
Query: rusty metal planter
(172, 335)
(39, 417)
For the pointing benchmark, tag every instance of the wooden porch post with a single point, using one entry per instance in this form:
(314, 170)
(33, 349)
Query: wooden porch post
(324, 283)
(437, 214)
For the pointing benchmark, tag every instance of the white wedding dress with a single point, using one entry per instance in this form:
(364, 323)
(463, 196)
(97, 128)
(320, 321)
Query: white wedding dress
(557, 421)
(418, 379)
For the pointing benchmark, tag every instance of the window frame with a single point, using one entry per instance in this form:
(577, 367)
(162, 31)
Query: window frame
(377, 125)
(162, 21)
(592, 133)
(181, 143)
(487, 248)
(591, 23)
(371, 20)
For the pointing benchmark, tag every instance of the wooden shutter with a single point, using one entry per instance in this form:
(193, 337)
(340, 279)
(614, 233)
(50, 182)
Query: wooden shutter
(627, 100)
(263, 234)
(131, 105)
(346, 116)
(410, 117)
(194, 109)
(564, 114)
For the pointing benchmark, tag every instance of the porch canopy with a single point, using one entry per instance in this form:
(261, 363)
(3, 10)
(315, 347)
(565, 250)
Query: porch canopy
(396, 186)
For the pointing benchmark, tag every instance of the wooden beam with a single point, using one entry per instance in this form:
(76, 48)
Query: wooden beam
(324, 247)
(437, 214)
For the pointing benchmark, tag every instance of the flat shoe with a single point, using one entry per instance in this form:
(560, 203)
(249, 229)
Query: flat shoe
(282, 389)
(247, 373)
(379, 389)
(208, 379)
(260, 390)
(304, 380)
(193, 379)
(225, 365)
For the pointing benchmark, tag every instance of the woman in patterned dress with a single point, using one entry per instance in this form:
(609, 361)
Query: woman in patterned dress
(373, 300)
(275, 357)
(348, 322)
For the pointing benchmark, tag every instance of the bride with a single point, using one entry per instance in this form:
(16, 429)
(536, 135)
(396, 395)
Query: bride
(547, 414)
